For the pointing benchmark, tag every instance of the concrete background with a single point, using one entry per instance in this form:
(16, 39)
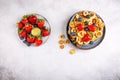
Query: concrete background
(48, 62)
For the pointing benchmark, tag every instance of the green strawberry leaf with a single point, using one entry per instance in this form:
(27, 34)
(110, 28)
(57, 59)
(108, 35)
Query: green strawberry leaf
(91, 35)
(41, 20)
(40, 37)
(19, 31)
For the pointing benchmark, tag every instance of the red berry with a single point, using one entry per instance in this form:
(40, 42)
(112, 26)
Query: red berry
(32, 19)
(86, 38)
(80, 27)
(40, 24)
(91, 28)
(45, 33)
(20, 25)
(24, 21)
(28, 28)
(23, 34)
(38, 42)
(30, 39)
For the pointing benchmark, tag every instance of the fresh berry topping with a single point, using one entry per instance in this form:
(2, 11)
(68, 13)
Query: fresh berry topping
(86, 29)
(86, 22)
(73, 33)
(20, 25)
(38, 42)
(80, 27)
(28, 28)
(45, 33)
(32, 19)
(24, 21)
(23, 34)
(86, 38)
(40, 23)
(27, 43)
(35, 25)
(30, 39)
(21, 37)
(92, 28)
(80, 19)
(88, 16)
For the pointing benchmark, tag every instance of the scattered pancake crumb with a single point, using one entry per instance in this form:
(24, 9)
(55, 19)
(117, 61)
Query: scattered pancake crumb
(61, 46)
(66, 41)
(63, 41)
(72, 51)
(62, 36)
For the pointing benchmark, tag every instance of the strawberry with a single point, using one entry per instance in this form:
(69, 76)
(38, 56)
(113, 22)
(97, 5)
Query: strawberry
(28, 28)
(45, 33)
(38, 42)
(92, 28)
(20, 25)
(22, 34)
(24, 21)
(32, 19)
(86, 38)
(40, 23)
(30, 39)
(80, 27)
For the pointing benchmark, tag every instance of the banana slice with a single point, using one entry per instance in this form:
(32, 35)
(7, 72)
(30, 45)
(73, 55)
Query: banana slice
(36, 32)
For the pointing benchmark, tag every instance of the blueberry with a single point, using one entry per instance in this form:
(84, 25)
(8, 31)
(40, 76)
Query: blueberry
(80, 19)
(91, 42)
(86, 29)
(86, 22)
(28, 44)
(35, 25)
(44, 27)
(21, 37)
(88, 16)
(73, 33)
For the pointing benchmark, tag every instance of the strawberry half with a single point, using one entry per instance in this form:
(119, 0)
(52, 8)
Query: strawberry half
(23, 34)
(20, 25)
(28, 28)
(32, 19)
(24, 21)
(86, 38)
(40, 23)
(80, 27)
(38, 42)
(92, 28)
(45, 33)
(30, 39)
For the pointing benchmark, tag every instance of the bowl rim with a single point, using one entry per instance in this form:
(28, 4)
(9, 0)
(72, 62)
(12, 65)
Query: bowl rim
(45, 20)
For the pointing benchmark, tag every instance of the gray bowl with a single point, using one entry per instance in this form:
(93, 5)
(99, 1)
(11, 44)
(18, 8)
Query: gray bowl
(88, 46)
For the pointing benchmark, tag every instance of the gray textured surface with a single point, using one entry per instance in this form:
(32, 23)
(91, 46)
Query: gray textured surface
(48, 62)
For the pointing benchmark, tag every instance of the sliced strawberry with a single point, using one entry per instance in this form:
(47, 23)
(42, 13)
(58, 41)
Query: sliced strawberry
(40, 24)
(86, 38)
(30, 39)
(38, 42)
(32, 19)
(24, 21)
(92, 28)
(20, 25)
(28, 28)
(23, 34)
(45, 33)
(80, 27)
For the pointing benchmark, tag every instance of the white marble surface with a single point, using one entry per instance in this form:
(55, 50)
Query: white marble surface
(48, 62)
